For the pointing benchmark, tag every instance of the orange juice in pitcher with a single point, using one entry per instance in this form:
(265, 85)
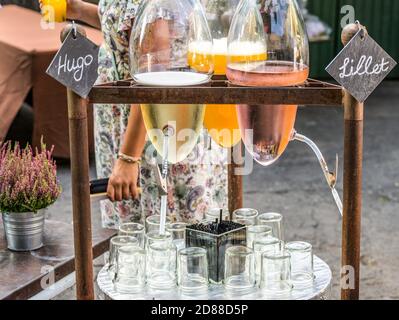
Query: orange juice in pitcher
(221, 120)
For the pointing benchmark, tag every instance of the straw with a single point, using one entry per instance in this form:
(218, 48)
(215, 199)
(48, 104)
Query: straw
(164, 199)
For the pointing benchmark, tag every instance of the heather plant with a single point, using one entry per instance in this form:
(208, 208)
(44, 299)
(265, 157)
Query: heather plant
(28, 179)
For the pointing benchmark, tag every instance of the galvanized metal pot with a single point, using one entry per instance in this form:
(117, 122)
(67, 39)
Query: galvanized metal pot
(24, 231)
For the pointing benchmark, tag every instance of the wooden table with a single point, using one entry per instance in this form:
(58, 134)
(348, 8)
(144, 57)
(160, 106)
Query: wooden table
(22, 273)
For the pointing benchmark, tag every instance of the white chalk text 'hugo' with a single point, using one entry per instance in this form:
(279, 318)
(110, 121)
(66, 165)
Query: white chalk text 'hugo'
(75, 65)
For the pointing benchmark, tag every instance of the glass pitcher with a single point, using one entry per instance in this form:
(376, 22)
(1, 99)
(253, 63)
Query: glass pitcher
(220, 120)
(161, 54)
(276, 29)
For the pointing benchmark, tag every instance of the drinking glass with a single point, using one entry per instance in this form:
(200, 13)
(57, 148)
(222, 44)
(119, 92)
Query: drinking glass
(245, 222)
(153, 222)
(301, 262)
(276, 273)
(130, 270)
(273, 220)
(214, 214)
(178, 232)
(193, 270)
(264, 244)
(116, 243)
(239, 274)
(246, 213)
(215, 238)
(156, 237)
(133, 229)
(255, 232)
(161, 265)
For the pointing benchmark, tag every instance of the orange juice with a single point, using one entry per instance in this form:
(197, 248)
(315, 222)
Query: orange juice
(54, 10)
(221, 120)
(222, 124)
(200, 56)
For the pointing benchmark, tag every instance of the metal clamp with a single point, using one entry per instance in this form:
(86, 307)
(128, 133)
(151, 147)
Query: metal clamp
(74, 29)
(160, 179)
(161, 174)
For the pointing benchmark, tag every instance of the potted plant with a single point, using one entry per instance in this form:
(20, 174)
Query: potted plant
(28, 185)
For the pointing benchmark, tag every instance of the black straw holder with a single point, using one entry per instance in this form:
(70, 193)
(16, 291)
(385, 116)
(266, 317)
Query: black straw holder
(215, 238)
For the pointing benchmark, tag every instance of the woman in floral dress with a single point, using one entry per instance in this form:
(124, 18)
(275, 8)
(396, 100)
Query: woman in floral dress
(193, 187)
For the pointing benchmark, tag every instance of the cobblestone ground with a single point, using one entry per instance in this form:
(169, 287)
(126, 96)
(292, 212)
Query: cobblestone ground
(295, 187)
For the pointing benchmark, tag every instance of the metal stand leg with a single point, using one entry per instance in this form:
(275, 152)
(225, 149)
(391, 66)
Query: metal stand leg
(235, 184)
(78, 135)
(351, 225)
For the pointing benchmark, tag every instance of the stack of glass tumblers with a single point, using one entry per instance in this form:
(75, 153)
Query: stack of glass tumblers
(141, 257)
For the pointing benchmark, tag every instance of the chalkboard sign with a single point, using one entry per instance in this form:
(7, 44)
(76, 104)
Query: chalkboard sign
(361, 66)
(76, 64)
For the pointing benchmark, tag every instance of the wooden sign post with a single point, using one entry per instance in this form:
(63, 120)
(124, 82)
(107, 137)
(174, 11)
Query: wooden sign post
(76, 66)
(353, 167)
(79, 145)
(360, 67)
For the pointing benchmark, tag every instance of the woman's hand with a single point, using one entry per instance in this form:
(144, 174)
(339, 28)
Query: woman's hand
(123, 181)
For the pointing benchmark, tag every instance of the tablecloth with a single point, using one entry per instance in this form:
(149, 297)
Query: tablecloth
(26, 49)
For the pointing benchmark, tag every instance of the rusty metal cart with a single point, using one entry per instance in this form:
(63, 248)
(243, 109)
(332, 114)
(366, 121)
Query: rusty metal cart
(312, 93)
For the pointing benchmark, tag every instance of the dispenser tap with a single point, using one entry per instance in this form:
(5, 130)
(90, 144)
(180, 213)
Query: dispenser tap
(331, 177)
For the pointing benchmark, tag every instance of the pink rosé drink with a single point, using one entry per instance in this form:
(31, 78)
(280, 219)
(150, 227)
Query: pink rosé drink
(267, 129)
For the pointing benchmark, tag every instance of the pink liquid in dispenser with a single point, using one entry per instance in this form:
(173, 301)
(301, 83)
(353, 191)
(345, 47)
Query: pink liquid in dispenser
(267, 129)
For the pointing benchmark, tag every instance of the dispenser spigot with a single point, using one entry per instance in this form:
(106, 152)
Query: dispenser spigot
(331, 177)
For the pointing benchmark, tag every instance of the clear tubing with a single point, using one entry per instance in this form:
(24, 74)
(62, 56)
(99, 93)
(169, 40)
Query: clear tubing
(330, 177)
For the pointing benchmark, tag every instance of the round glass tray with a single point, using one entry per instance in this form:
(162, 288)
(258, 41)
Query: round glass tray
(319, 291)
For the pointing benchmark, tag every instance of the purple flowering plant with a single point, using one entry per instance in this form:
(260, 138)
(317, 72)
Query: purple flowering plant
(28, 179)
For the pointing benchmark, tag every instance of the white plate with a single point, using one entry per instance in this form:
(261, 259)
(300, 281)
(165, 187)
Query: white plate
(171, 78)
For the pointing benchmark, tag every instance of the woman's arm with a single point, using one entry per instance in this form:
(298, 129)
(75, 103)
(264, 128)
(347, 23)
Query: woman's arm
(135, 129)
(123, 181)
(83, 11)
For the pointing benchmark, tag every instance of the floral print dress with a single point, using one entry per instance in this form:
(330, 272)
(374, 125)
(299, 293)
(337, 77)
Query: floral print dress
(193, 187)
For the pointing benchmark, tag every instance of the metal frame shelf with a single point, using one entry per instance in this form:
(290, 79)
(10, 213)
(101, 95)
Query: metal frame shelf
(312, 93)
